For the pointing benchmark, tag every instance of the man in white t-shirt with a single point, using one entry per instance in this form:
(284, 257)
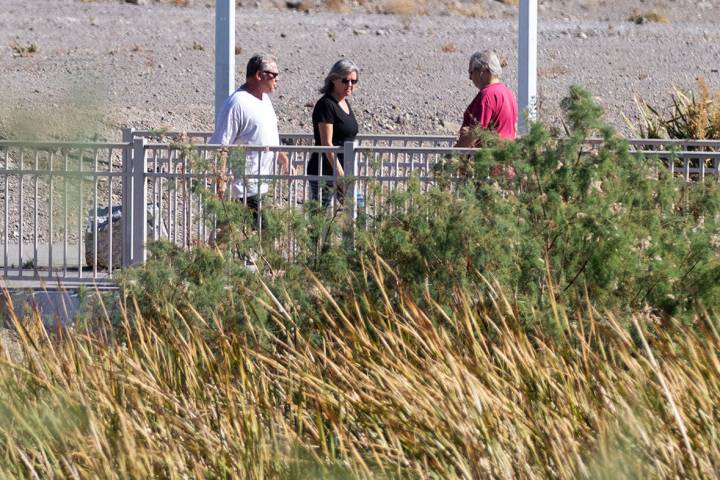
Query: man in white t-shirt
(248, 118)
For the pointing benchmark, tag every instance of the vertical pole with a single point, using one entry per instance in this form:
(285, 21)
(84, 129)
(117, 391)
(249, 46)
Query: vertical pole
(350, 167)
(139, 202)
(527, 64)
(126, 202)
(224, 51)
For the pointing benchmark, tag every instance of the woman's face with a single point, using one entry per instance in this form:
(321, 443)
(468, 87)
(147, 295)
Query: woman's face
(345, 85)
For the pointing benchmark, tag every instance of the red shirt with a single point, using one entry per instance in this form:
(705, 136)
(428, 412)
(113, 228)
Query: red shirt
(493, 108)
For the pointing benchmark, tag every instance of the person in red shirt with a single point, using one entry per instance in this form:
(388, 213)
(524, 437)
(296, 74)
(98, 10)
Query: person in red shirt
(494, 107)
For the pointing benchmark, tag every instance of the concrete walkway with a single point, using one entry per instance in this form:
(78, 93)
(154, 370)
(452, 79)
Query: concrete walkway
(62, 255)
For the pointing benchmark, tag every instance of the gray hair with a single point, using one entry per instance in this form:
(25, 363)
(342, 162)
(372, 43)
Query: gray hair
(486, 60)
(341, 68)
(258, 63)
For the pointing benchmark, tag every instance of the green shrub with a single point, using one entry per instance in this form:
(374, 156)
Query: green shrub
(576, 224)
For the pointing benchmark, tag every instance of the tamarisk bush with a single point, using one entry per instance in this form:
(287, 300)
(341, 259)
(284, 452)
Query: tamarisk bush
(603, 225)
(577, 224)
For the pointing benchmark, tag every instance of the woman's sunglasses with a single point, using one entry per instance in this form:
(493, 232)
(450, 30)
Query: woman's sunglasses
(348, 81)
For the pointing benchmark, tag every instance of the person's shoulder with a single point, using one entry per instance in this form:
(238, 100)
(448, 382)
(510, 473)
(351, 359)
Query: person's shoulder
(324, 104)
(325, 101)
(238, 98)
(499, 87)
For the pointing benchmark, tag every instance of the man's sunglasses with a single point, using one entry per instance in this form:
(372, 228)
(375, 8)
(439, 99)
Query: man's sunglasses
(270, 74)
(348, 81)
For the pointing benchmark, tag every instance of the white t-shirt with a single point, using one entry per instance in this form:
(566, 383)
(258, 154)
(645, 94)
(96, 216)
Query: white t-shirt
(245, 119)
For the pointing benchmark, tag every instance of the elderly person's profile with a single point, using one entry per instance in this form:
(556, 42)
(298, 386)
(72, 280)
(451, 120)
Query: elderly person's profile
(494, 107)
(334, 124)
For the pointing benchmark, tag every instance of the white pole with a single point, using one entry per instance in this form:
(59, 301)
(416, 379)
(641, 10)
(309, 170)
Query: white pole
(527, 63)
(224, 51)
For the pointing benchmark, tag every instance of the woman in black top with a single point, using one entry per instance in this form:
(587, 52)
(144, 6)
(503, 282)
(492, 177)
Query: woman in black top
(333, 124)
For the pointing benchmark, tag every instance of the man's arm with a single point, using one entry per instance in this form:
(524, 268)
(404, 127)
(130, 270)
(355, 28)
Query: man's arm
(282, 161)
(326, 134)
(226, 125)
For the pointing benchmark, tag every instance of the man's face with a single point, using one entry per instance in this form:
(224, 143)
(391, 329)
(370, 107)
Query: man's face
(269, 78)
(479, 77)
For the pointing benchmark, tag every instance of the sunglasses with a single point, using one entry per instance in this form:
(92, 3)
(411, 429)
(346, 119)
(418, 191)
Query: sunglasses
(348, 81)
(270, 74)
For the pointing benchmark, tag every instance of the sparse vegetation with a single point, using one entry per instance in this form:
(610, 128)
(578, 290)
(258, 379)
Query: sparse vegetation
(338, 6)
(23, 50)
(448, 48)
(401, 7)
(474, 9)
(648, 17)
(691, 115)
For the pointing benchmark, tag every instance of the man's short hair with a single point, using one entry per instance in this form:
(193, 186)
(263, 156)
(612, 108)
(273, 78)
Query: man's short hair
(486, 60)
(258, 63)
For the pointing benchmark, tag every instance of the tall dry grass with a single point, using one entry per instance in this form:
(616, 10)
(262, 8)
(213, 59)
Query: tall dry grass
(694, 115)
(375, 388)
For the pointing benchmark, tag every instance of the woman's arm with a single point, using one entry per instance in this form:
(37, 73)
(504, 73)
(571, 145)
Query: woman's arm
(326, 133)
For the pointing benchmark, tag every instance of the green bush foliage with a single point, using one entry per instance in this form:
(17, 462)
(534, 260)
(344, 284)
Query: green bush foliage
(576, 224)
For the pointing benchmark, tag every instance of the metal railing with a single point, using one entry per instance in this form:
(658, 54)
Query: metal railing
(49, 190)
(75, 212)
(202, 138)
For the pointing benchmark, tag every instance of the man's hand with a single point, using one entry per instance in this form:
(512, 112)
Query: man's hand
(466, 138)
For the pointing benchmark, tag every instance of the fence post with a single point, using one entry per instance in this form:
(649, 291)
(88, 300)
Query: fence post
(350, 167)
(126, 201)
(138, 207)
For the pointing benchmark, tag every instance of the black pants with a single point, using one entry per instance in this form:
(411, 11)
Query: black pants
(253, 204)
(327, 187)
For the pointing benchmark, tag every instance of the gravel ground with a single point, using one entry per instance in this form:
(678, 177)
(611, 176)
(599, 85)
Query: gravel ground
(101, 65)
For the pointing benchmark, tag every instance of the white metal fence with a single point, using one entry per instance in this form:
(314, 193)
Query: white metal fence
(77, 211)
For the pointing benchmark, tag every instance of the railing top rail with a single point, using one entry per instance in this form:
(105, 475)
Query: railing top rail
(42, 145)
(305, 135)
(405, 149)
(659, 141)
(683, 143)
(320, 149)
(249, 148)
(409, 138)
(440, 137)
(678, 154)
